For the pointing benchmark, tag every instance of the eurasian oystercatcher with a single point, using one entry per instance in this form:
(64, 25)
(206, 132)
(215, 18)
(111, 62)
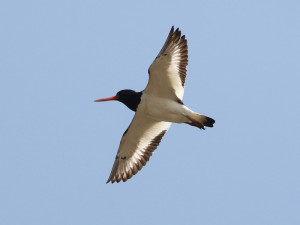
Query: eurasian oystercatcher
(156, 107)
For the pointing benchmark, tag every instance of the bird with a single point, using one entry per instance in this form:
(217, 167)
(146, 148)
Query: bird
(156, 107)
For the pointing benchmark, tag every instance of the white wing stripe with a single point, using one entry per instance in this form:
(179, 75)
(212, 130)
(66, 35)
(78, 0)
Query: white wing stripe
(169, 68)
(136, 147)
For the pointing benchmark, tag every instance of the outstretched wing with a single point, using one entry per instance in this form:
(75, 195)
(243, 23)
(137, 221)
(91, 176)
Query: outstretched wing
(168, 71)
(138, 142)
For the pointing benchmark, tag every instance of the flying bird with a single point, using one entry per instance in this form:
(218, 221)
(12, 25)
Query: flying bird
(156, 107)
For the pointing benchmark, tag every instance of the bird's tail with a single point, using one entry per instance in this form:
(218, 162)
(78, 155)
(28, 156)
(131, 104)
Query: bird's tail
(200, 121)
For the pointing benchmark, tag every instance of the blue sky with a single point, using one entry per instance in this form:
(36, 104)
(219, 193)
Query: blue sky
(58, 146)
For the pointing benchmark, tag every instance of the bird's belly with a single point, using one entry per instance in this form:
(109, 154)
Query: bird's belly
(162, 109)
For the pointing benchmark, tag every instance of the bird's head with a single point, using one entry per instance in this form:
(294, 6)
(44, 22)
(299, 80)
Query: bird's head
(128, 97)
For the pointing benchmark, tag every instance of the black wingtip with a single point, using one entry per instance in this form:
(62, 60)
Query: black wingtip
(172, 30)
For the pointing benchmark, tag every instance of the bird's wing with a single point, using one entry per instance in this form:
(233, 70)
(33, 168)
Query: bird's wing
(138, 142)
(168, 71)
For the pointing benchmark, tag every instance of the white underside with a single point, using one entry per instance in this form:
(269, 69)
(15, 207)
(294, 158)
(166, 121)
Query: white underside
(164, 109)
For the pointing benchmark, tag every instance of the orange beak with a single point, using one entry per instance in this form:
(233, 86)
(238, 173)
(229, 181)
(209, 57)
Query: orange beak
(107, 99)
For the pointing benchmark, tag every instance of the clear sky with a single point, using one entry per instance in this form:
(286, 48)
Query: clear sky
(57, 146)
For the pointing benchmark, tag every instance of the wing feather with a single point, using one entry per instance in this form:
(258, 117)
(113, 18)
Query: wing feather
(137, 145)
(168, 71)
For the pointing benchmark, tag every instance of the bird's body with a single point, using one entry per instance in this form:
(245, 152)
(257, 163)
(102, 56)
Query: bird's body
(162, 109)
(159, 105)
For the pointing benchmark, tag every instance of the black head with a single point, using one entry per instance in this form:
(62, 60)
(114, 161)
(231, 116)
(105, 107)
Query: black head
(129, 97)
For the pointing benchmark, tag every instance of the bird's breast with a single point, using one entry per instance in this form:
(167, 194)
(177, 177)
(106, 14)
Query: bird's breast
(162, 109)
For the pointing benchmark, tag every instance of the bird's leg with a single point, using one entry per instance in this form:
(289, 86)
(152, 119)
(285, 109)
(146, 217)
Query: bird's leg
(195, 123)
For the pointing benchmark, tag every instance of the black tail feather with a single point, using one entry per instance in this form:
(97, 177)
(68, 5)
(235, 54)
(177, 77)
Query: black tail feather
(209, 122)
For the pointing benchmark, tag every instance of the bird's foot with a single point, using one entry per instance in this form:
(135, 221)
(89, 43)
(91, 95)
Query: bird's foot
(195, 123)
